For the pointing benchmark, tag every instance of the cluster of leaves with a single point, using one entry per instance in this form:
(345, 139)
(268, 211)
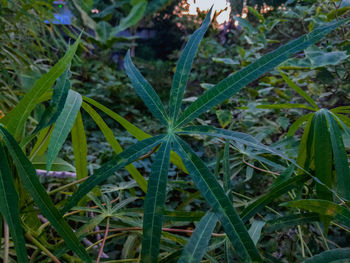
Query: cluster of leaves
(322, 170)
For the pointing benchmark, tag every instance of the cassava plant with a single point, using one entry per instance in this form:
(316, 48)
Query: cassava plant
(17, 171)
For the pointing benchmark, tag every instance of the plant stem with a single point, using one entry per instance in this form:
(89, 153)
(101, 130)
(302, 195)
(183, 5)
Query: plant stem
(103, 241)
(42, 247)
(6, 242)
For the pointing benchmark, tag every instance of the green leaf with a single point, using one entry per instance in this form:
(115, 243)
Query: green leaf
(234, 83)
(145, 91)
(323, 155)
(108, 133)
(63, 126)
(16, 119)
(284, 106)
(294, 127)
(323, 207)
(273, 193)
(154, 203)
(183, 69)
(134, 16)
(32, 184)
(79, 147)
(133, 130)
(57, 102)
(126, 157)
(195, 248)
(255, 230)
(39, 162)
(299, 91)
(320, 58)
(240, 137)
(338, 255)
(290, 221)
(220, 203)
(9, 207)
(103, 30)
(340, 157)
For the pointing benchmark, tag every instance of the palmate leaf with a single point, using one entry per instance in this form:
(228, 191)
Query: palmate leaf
(16, 119)
(338, 255)
(133, 130)
(183, 69)
(32, 184)
(108, 133)
(9, 207)
(145, 91)
(211, 190)
(63, 126)
(195, 248)
(154, 203)
(234, 83)
(126, 157)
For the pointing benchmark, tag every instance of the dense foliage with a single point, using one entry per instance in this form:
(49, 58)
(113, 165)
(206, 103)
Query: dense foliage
(247, 161)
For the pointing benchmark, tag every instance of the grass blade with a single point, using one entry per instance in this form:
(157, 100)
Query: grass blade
(9, 207)
(108, 133)
(145, 91)
(299, 91)
(63, 126)
(232, 84)
(154, 204)
(32, 184)
(79, 147)
(339, 255)
(340, 157)
(273, 193)
(195, 248)
(220, 203)
(16, 119)
(126, 157)
(183, 68)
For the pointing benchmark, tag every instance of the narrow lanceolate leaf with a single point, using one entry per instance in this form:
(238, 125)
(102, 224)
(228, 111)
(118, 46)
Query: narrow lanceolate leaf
(133, 130)
(194, 250)
(323, 156)
(108, 133)
(338, 255)
(9, 207)
(285, 106)
(220, 203)
(291, 221)
(32, 184)
(231, 135)
(57, 102)
(79, 147)
(273, 193)
(145, 91)
(124, 158)
(296, 125)
(340, 157)
(154, 204)
(16, 119)
(255, 230)
(299, 91)
(63, 126)
(323, 207)
(232, 84)
(183, 68)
